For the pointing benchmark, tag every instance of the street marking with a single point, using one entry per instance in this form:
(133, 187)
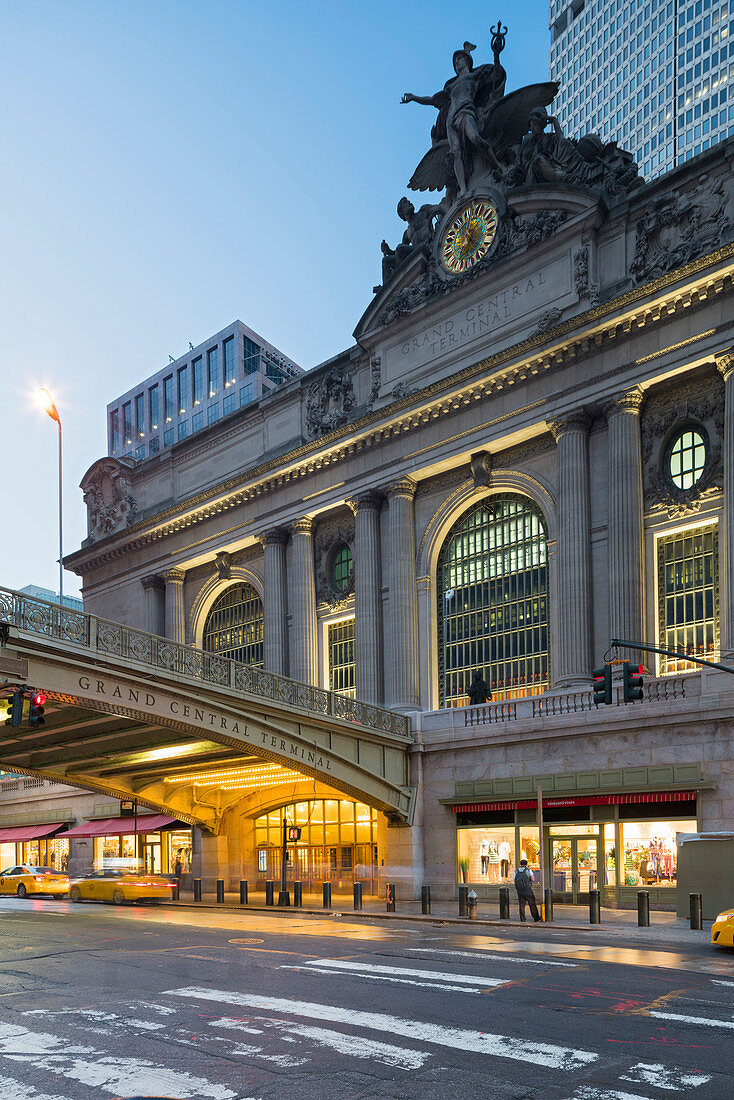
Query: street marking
(246, 941)
(399, 971)
(659, 1076)
(477, 1042)
(718, 981)
(355, 1046)
(493, 958)
(588, 1092)
(692, 1019)
(14, 1090)
(441, 986)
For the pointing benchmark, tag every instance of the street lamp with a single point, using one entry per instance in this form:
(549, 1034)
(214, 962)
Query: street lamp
(46, 402)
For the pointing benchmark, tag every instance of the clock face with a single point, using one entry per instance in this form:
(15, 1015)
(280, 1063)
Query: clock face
(469, 237)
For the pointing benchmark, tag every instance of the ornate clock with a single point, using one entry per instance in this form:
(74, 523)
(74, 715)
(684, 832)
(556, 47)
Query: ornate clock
(469, 236)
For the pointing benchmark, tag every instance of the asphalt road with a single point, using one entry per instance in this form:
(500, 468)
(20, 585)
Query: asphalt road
(99, 1002)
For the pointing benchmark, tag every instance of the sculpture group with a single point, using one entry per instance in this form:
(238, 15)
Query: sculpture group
(484, 141)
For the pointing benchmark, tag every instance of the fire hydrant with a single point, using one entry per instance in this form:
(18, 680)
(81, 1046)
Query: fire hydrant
(472, 905)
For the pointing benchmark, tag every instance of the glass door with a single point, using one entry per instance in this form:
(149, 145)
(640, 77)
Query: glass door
(574, 860)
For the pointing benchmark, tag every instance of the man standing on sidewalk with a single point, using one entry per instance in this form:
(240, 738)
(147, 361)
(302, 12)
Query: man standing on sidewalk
(524, 887)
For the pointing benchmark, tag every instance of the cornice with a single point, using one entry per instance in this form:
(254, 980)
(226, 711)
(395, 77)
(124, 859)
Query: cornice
(402, 415)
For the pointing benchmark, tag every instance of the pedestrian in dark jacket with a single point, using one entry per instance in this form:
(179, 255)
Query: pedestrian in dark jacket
(524, 887)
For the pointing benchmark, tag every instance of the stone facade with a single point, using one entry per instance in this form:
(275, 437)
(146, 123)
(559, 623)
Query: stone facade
(558, 373)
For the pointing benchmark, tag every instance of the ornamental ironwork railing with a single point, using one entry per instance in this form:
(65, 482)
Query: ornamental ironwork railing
(50, 620)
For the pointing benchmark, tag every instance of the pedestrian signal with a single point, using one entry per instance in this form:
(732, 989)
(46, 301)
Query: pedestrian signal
(294, 833)
(13, 711)
(631, 682)
(602, 684)
(35, 709)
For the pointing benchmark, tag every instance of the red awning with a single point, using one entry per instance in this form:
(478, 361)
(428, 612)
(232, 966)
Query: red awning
(121, 826)
(560, 801)
(29, 832)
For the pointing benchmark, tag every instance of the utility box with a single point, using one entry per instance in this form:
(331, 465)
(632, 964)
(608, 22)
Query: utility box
(705, 867)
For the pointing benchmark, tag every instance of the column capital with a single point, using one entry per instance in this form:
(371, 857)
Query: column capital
(302, 526)
(278, 536)
(628, 402)
(404, 487)
(578, 420)
(725, 363)
(174, 576)
(153, 582)
(370, 501)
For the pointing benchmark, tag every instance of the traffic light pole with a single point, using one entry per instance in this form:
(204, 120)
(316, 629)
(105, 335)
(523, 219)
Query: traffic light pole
(668, 653)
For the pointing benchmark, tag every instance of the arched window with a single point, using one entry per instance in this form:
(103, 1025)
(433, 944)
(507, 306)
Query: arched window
(234, 626)
(493, 601)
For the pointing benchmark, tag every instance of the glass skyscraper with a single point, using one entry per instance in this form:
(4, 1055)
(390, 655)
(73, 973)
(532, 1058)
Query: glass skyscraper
(654, 75)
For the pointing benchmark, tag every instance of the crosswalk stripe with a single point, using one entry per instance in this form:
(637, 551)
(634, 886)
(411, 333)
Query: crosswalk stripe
(679, 1018)
(476, 1042)
(670, 1078)
(440, 986)
(493, 958)
(15, 1090)
(718, 981)
(398, 971)
(588, 1092)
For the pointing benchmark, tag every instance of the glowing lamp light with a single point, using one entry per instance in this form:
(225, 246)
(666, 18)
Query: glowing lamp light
(39, 699)
(46, 401)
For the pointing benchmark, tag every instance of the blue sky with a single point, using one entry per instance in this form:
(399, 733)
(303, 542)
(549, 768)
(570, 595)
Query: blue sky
(169, 167)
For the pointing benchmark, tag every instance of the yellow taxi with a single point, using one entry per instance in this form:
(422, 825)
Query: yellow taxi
(118, 885)
(722, 930)
(25, 880)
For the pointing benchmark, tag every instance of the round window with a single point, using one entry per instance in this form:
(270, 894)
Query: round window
(342, 567)
(687, 458)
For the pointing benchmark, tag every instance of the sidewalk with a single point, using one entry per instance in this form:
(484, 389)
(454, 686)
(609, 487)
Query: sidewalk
(618, 923)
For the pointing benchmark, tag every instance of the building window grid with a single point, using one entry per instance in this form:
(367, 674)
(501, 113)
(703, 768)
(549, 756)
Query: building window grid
(115, 431)
(183, 389)
(168, 409)
(342, 567)
(127, 423)
(687, 459)
(234, 626)
(493, 602)
(251, 355)
(341, 658)
(154, 405)
(140, 415)
(197, 368)
(230, 366)
(688, 596)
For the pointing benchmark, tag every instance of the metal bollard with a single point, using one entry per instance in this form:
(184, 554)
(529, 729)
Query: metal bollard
(175, 892)
(197, 889)
(270, 892)
(327, 895)
(284, 898)
(548, 895)
(594, 907)
(504, 903)
(298, 895)
(390, 897)
(696, 912)
(643, 908)
(426, 900)
(243, 892)
(463, 895)
(358, 895)
(472, 905)
(220, 891)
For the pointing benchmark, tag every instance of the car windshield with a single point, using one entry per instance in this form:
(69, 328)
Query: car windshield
(42, 870)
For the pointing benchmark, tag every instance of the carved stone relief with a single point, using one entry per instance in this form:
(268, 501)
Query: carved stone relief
(327, 539)
(110, 503)
(676, 228)
(329, 403)
(701, 403)
(584, 288)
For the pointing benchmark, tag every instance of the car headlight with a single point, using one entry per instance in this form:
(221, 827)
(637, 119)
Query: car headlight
(729, 917)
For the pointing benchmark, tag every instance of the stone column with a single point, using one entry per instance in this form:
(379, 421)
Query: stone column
(403, 624)
(275, 601)
(368, 642)
(725, 364)
(573, 598)
(304, 649)
(175, 618)
(625, 530)
(155, 613)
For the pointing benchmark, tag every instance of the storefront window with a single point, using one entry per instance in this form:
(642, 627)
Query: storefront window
(610, 856)
(179, 848)
(530, 848)
(53, 852)
(650, 851)
(487, 855)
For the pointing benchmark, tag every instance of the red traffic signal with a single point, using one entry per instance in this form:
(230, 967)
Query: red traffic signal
(602, 678)
(35, 709)
(632, 682)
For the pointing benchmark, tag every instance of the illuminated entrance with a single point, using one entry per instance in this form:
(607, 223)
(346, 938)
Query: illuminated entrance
(338, 845)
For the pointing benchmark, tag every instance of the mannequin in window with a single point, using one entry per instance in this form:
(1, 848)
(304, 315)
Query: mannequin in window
(478, 691)
(484, 855)
(505, 853)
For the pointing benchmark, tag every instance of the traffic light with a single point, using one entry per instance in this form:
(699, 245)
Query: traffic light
(631, 682)
(14, 711)
(602, 685)
(35, 709)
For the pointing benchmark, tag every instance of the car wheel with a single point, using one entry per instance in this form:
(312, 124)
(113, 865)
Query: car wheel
(118, 897)
(75, 893)
(21, 890)
(59, 897)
